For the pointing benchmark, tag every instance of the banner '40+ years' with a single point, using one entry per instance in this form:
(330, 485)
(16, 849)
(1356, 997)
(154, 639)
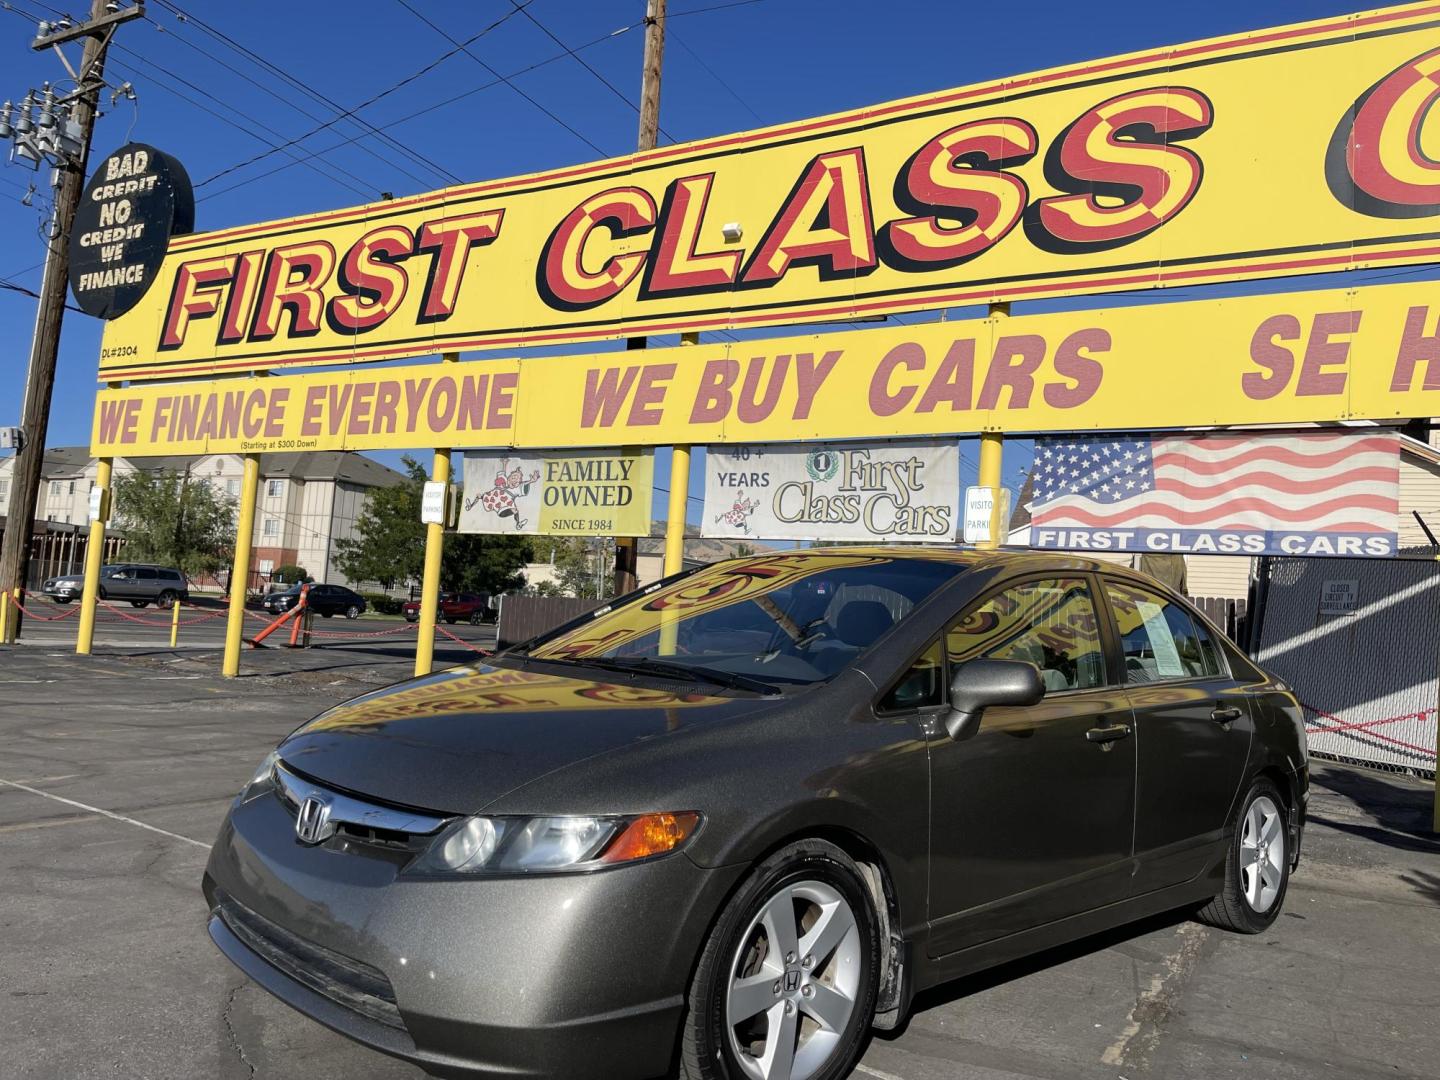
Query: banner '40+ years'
(1298, 149)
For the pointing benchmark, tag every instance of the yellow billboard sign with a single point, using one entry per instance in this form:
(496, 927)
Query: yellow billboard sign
(1367, 354)
(1300, 149)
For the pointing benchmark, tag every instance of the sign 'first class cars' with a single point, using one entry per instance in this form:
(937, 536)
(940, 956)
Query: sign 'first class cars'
(1294, 150)
(878, 492)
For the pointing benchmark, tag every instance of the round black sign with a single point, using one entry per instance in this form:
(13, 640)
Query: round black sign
(136, 200)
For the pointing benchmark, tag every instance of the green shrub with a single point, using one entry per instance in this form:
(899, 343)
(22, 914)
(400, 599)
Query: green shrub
(382, 604)
(289, 575)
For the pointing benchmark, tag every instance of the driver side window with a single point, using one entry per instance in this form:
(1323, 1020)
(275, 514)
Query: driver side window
(1050, 623)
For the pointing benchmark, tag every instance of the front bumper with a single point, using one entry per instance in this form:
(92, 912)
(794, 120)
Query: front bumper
(560, 976)
(62, 591)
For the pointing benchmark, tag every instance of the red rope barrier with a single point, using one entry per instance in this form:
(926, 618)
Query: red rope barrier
(42, 618)
(379, 633)
(462, 641)
(1367, 726)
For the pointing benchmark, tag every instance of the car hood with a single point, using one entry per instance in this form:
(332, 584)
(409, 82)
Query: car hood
(66, 579)
(458, 740)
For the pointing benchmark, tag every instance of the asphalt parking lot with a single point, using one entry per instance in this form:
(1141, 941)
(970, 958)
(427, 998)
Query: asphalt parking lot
(115, 772)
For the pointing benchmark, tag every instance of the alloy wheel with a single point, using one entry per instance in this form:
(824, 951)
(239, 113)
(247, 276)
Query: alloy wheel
(793, 983)
(1262, 854)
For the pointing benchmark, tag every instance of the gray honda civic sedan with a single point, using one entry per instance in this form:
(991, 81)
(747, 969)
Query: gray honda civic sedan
(722, 827)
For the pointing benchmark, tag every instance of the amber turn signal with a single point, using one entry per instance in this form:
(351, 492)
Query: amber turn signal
(653, 834)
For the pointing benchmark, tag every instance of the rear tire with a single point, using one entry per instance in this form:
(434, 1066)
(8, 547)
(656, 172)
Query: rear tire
(1257, 865)
(476, 619)
(139, 603)
(786, 984)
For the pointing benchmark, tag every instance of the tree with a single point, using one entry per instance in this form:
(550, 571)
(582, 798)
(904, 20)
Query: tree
(389, 541)
(389, 545)
(582, 567)
(175, 520)
(484, 563)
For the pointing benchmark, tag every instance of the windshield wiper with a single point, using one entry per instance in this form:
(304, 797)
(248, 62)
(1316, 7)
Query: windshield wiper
(671, 668)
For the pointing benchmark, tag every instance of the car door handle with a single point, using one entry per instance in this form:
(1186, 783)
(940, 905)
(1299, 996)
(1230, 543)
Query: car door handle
(1108, 735)
(1226, 714)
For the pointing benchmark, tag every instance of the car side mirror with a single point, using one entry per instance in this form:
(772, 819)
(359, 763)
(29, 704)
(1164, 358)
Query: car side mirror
(978, 684)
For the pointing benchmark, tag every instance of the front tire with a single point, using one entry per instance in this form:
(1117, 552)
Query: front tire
(786, 984)
(1257, 866)
(165, 600)
(352, 612)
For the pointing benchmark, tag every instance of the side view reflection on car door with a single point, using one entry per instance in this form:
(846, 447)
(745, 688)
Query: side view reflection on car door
(1193, 733)
(1032, 818)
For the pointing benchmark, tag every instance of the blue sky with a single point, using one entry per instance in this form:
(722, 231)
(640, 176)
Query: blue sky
(728, 66)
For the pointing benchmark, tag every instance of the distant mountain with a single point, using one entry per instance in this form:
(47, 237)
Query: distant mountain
(703, 549)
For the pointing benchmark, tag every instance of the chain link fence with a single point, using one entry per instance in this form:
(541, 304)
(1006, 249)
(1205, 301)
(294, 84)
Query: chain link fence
(1368, 678)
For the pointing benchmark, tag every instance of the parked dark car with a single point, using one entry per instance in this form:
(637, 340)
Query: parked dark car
(325, 600)
(455, 607)
(738, 818)
(140, 583)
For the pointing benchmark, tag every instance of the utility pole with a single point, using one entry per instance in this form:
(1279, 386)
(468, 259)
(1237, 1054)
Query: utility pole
(70, 157)
(627, 547)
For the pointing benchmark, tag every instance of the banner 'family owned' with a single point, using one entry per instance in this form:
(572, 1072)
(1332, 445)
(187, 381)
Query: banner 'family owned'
(1300, 149)
(880, 491)
(1322, 493)
(558, 493)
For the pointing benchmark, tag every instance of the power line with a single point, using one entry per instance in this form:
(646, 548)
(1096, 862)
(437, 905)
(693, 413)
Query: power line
(270, 90)
(523, 9)
(495, 74)
(159, 80)
(711, 71)
(372, 100)
(715, 7)
(433, 107)
(265, 65)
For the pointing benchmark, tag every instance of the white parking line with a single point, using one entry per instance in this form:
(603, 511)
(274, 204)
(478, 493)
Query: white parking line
(107, 813)
(868, 1071)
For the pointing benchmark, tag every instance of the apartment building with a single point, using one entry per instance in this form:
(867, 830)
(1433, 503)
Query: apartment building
(306, 502)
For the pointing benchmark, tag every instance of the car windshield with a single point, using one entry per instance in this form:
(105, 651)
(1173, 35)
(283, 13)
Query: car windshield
(788, 618)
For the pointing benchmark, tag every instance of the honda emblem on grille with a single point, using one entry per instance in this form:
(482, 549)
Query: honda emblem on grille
(312, 823)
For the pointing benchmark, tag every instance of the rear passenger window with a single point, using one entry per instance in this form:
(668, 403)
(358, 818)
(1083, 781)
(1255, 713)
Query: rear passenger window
(1158, 637)
(1049, 623)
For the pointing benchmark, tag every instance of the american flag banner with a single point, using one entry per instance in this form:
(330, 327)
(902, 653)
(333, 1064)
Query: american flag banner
(1314, 493)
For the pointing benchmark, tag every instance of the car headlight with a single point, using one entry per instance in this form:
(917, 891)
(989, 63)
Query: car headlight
(485, 845)
(263, 780)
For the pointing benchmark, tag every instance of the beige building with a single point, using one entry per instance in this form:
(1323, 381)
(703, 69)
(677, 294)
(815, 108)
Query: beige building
(306, 501)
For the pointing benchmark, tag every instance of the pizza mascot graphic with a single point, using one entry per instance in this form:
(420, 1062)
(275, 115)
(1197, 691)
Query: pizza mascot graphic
(510, 486)
(738, 516)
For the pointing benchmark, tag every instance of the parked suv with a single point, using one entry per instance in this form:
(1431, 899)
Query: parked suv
(473, 608)
(324, 600)
(139, 583)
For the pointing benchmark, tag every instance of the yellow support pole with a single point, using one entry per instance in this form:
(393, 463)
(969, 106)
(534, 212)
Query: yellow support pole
(430, 579)
(430, 582)
(675, 522)
(94, 559)
(992, 453)
(240, 572)
(5, 617)
(175, 623)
